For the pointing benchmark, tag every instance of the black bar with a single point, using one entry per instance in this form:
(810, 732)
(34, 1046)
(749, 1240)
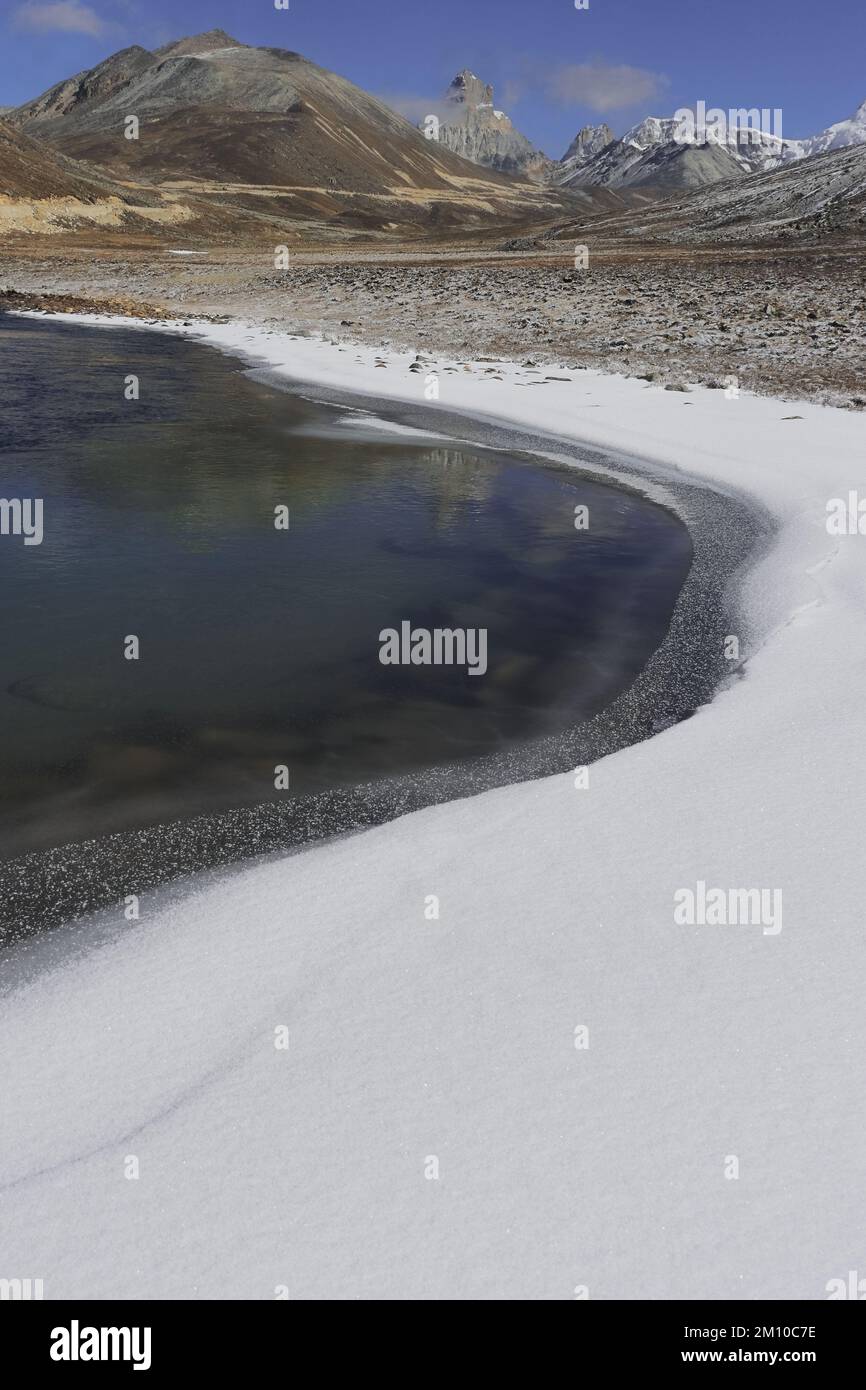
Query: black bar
(225, 1338)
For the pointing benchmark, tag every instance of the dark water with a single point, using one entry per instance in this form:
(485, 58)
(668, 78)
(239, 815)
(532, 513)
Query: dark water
(260, 647)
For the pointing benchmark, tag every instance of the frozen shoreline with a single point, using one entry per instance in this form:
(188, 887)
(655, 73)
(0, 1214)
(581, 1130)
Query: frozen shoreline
(50, 886)
(410, 1038)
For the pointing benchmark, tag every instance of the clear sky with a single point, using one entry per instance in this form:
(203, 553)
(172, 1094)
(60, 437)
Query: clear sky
(555, 68)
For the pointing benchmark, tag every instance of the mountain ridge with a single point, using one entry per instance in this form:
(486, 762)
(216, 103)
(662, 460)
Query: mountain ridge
(468, 123)
(270, 136)
(648, 155)
(274, 136)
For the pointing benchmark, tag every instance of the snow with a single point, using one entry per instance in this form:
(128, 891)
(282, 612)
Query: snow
(836, 137)
(652, 130)
(560, 1168)
(756, 149)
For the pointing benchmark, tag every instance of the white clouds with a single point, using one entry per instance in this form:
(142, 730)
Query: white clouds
(603, 86)
(600, 86)
(514, 90)
(412, 107)
(60, 17)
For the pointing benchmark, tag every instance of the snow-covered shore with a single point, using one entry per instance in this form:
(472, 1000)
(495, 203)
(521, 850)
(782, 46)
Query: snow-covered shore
(605, 1167)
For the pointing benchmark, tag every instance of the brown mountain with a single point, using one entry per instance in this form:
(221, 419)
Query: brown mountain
(29, 170)
(267, 132)
(43, 192)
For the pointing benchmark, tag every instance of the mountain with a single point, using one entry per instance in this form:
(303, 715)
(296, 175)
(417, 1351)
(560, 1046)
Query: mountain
(256, 143)
(839, 136)
(805, 201)
(210, 42)
(266, 131)
(471, 126)
(650, 156)
(815, 198)
(42, 192)
(587, 143)
(27, 170)
(77, 95)
(613, 160)
(672, 168)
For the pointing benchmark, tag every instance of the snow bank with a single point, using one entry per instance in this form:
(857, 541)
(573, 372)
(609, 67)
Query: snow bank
(560, 1167)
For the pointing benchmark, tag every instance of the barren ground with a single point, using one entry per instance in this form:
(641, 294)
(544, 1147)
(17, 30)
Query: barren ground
(786, 323)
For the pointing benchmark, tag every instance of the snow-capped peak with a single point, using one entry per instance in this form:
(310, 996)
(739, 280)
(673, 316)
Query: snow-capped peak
(652, 130)
(836, 137)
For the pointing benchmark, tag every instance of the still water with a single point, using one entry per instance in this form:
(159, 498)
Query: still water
(259, 647)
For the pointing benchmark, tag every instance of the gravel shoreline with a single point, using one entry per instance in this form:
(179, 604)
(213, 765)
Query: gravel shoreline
(48, 888)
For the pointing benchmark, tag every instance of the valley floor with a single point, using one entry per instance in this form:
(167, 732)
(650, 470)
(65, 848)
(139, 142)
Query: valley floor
(790, 323)
(440, 1125)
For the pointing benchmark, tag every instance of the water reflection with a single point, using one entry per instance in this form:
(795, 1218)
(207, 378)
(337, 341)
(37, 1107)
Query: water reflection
(260, 647)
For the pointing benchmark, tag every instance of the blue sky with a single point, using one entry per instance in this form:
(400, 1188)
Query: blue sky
(555, 68)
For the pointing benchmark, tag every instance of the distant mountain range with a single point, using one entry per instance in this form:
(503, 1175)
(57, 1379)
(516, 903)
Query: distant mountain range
(819, 199)
(648, 156)
(235, 142)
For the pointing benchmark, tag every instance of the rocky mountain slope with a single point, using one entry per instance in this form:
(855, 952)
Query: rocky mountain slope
(822, 198)
(267, 131)
(587, 143)
(839, 136)
(653, 154)
(674, 168)
(471, 126)
(41, 191)
(29, 170)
